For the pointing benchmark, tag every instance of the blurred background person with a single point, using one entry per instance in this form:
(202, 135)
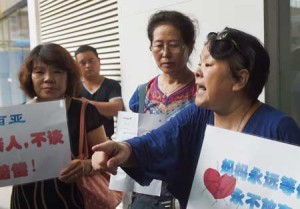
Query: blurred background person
(104, 93)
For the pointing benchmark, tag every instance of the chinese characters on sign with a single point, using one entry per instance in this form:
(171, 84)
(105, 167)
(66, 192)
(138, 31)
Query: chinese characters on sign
(14, 118)
(269, 180)
(20, 169)
(237, 170)
(28, 140)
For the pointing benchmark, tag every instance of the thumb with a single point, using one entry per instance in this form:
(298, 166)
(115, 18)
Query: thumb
(120, 156)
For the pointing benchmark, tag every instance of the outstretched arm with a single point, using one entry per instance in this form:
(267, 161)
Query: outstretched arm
(109, 155)
(77, 167)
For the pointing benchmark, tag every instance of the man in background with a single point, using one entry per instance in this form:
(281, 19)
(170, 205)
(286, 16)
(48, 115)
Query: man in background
(102, 92)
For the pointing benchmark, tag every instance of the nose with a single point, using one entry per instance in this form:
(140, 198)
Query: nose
(48, 77)
(165, 51)
(198, 72)
(88, 64)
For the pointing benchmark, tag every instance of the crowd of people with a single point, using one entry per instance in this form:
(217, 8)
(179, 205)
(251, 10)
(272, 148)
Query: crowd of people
(222, 91)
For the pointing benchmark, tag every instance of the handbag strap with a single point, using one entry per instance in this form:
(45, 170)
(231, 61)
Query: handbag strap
(83, 144)
(142, 95)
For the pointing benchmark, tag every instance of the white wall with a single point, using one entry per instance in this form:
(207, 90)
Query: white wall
(34, 23)
(137, 64)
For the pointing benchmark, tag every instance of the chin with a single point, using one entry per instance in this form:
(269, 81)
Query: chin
(200, 103)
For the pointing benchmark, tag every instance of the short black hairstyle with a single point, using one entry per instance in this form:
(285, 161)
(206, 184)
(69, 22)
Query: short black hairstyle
(180, 21)
(242, 51)
(86, 48)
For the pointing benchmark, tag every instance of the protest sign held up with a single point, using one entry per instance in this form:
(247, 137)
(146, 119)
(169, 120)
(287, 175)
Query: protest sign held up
(30, 135)
(237, 170)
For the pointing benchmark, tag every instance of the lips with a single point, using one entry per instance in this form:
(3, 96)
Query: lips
(201, 87)
(167, 63)
(48, 88)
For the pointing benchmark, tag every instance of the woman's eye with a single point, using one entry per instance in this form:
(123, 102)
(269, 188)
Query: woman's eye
(159, 46)
(37, 71)
(57, 70)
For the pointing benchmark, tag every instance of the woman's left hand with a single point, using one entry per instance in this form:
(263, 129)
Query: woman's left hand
(76, 168)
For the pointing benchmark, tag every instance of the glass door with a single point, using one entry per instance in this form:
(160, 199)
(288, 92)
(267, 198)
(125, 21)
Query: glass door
(282, 38)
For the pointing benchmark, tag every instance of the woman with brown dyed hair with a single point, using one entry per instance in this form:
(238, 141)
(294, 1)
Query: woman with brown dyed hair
(50, 73)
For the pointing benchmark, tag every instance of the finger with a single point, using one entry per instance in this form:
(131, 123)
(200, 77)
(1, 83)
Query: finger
(111, 167)
(70, 176)
(99, 160)
(97, 147)
(99, 163)
(121, 155)
(68, 179)
(72, 169)
(71, 166)
(105, 146)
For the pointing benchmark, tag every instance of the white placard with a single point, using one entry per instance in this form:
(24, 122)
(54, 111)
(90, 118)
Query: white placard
(34, 142)
(237, 170)
(130, 125)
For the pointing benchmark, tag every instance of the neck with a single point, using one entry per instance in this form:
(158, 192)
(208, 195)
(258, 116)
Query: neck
(184, 76)
(237, 118)
(93, 84)
(170, 83)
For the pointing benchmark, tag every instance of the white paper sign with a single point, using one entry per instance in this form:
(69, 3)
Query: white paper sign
(34, 142)
(241, 171)
(130, 125)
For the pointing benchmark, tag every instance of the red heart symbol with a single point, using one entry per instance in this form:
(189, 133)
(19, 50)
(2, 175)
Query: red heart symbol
(219, 186)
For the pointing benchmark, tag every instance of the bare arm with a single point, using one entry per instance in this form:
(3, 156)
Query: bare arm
(96, 136)
(108, 109)
(79, 167)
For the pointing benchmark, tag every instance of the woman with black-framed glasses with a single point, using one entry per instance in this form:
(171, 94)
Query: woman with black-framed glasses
(233, 69)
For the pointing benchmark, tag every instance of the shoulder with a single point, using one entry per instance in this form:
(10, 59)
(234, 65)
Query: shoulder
(270, 114)
(193, 114)
(148, 84)
(76, 105)
(152, 82)
(275, 124)
(110, 82)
